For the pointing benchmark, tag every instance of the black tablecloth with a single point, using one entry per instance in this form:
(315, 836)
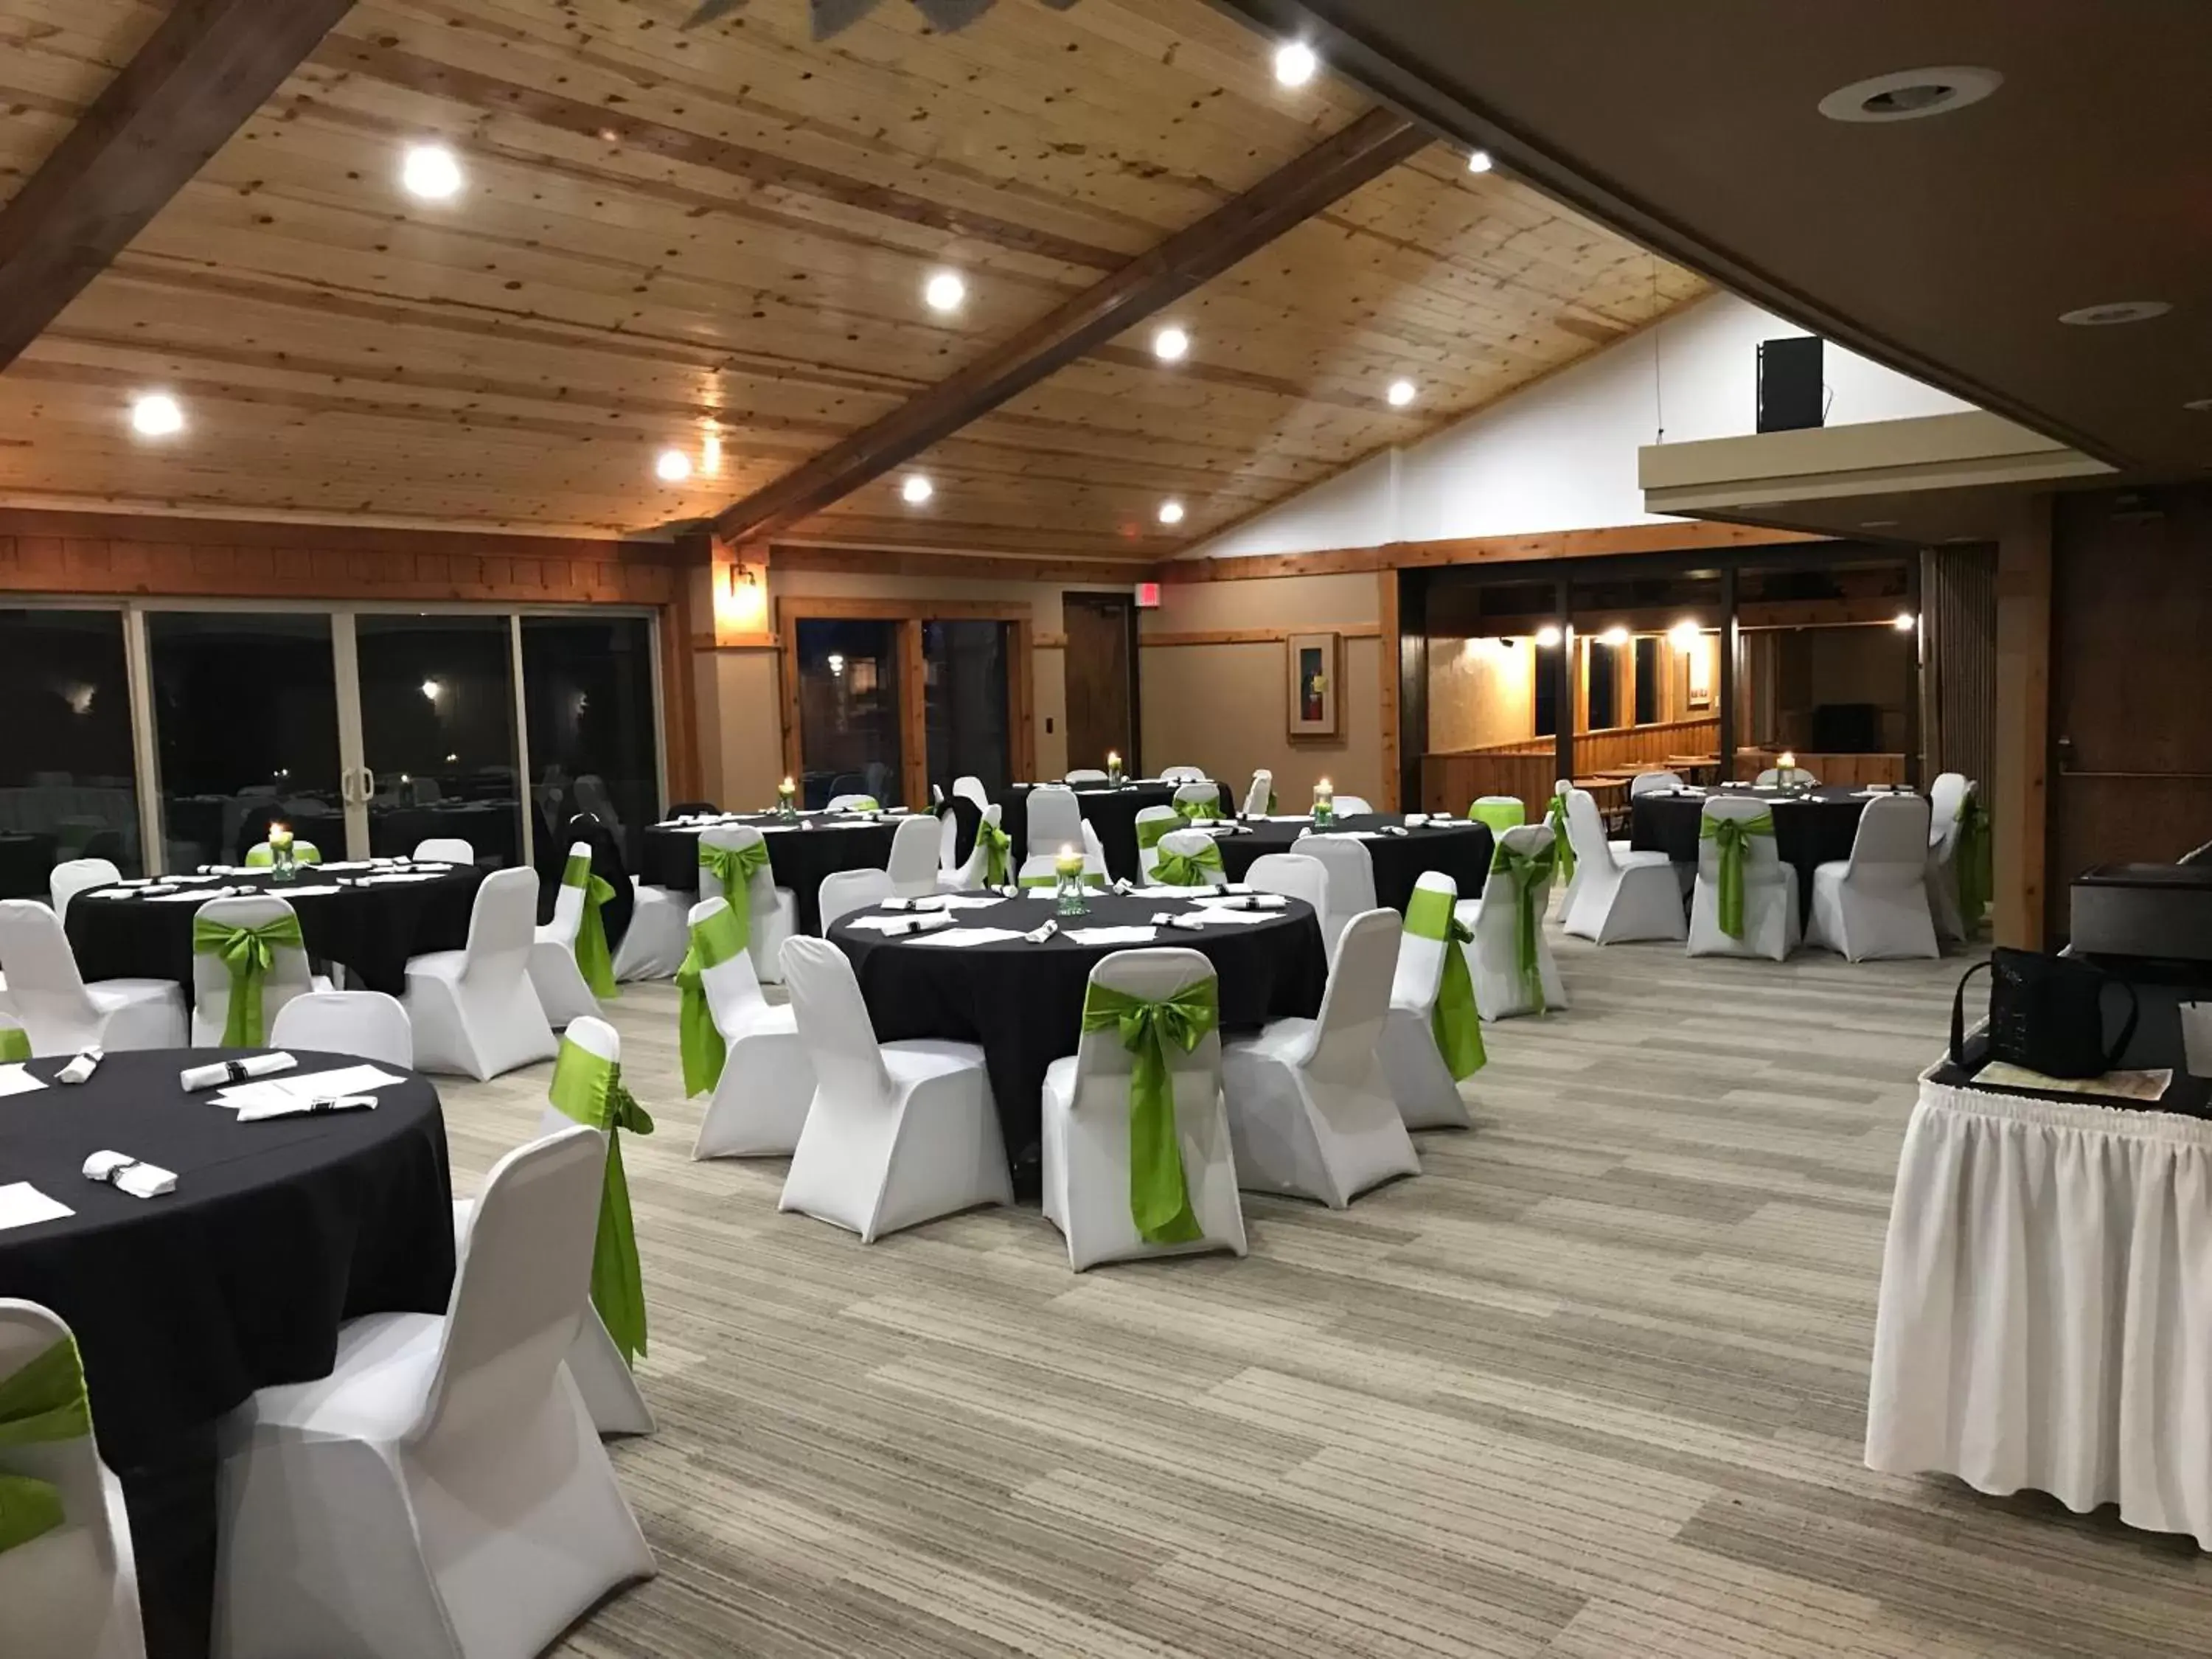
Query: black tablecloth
(797, 858)
(371, 930)
(184, 1305)
(1459, 849)
(1024, 1002)
(27, 865)
(1809, 830)
(1112, 812)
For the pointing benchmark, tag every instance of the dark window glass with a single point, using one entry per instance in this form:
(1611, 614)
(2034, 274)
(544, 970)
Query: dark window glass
(587, 691)
(1604, 684)
(437, 729)
(1547, 701)
(1647, 679)
(964, 665)
(66, 785)
(848, 710)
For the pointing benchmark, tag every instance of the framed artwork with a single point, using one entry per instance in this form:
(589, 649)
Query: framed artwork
(1312, 660)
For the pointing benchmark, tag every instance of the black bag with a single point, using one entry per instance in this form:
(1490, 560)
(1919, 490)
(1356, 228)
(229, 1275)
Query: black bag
(2046, 1013)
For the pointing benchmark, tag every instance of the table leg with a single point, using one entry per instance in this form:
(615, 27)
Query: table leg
(172, 1504)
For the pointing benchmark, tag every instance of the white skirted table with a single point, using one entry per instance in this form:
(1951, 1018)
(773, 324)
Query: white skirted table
(2046, 1320)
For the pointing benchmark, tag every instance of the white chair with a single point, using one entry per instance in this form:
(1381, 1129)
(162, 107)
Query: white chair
(1771, 903)
(1413, 1065)
(262, 856)
(1310, 1109)
(1259, 799)
(1945, 797)
(1501, 991)
(1054, 820)
(1293, 875)
(974, 873)
(1182, 775)
(913, 863)
(844, 891)
(561, 992)
(603, 1381)
(1772, 778)
(971, 787)
(1652, 783)
(59, 1011)
(1188, 844)
(1620, 895)
(774, 910)
(948, 839)
(441, 1494)
(1874, 904)
(474, 1010)
(1946, 801)
(760, 1100)
(1499, 812)
(365, 1024)
(1350, 880)
(1353, 807)
(288, 974)
(72, 1591)
(1094, 846)
(1085, 1130)
(444, 849)
(73, 876)
(855, 804)
(897, 1133)
(1148, 839)
(652, 944)
(1084, 776)
(1206, 798)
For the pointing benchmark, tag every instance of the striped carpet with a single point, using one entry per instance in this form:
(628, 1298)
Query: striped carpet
(1592, 1385)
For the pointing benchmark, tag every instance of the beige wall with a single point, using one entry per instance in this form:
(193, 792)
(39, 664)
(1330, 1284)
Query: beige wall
(1481, 691)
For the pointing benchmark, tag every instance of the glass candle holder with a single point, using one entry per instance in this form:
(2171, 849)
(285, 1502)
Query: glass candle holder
(787, 799)
(1072, 897)
(1324, 805)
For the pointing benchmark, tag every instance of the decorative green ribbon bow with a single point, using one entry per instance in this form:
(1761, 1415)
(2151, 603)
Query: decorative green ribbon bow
(998, 849)
(863, 804)
(590, 1091)
(1528, 871)
(593, 960)
(1500, 816)
(1732, 837)
(715, 941)
(1199, 811)
(263, 857)
(42, 1404)
(1563, 849)
(1457, 1022)
(1160, 1194)
(1190, 869)
(733, 867)
(1972, 858)
(248, 953)
(14, 1045)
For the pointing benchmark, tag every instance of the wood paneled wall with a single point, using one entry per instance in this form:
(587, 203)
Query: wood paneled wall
(1957, 632)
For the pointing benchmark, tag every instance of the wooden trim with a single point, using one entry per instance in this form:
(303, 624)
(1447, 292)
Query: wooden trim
(2019, 803)
(679, 696)
(703, 643)
(1260, 635)
(913, 714)
(1021, 695)
(205, 70)
(290, 534)
(1051, 642)
(1362, 152)
(856, 561)
(841, 608)
(1690, 536)
(1386, 630)
(786, 627)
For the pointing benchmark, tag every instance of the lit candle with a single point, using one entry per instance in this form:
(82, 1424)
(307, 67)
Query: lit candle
(280, 837)
(786, 790)
(1787, 761)
(1113, 760)
(1322, 792)
(1069, 863)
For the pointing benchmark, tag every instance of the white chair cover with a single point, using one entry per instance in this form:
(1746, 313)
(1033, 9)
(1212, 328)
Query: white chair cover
(1500, 991)
(1427, 1094)
(760, 1101)
(846, 802)
(561, 992)
(971, 787)
(1875, 905)
(857, 1165)
(59, 1011)
(441, 1493)
(652, 946)
(913, 863)
(1054, 820)
(365, 1024)
(1182, 775)
(1258, 798)
(70, 1592)
(1183, 843)
(73, 876)
(1310, 1109)
(1945, 797)
(1772, 778)
(1771, 904)
(971, 875)
(1085, 774)
(775, 909)
(844, 891)
(948, 838)
(288, 974)
(444, 849)
(1353, 807)
(1203, 795)
(1350, 880)
(1293, 875)
(474, 1010)
(1085, 1126)
(1652, 783)
(1619, 895)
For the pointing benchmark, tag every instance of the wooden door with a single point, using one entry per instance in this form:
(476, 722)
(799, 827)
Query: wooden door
(1101, 679)
(2130, 707)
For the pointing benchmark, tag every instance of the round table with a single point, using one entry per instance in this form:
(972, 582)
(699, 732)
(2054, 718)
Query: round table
(371, 929)
(184, 1305)
(1024, 1002)
(1110, 809)
(798, 854)
(1810, 829)
(27, 865)
(1457, 848)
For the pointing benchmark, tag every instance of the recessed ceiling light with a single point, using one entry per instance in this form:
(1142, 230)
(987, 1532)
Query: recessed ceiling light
(1295, 63)
(945, 291)
(1170, 512)
(1480, 162)
(916, 489)
(1547, 636)
(156, 415)
(2114, 311)
(431, 173)
(1615, 635)
(1910, 94)
(672, 466)
(1401, 393)
(1170, 345)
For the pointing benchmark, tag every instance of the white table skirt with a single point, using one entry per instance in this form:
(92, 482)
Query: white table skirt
(2045, 1319)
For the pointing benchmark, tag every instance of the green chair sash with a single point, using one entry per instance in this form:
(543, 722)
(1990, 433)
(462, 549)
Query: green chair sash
(733, 867)
(14, 1045)
(248, 953)
(1971, 857)
(1500, 816)
(714, 941)
(262, 856)
(1190, 869)
(998, 851)
(1528, 871)
(590, 1091)
(593, 960)
(1150, 832)
(1732, 836)
(1159, 1193)
(1563, 849)
(1199, 811)
(1457, 1022)
(863, 804)
(43, 1403)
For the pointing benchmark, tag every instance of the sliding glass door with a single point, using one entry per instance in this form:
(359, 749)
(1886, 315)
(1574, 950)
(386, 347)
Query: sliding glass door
(438, 744)
(587, 698)
(849, 710)
(67, 788)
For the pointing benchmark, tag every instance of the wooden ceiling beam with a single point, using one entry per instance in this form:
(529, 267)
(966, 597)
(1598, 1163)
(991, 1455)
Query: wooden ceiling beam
(207, 68)
(1324, 175)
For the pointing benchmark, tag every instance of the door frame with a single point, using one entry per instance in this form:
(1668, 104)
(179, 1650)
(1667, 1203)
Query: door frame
(1127, 601)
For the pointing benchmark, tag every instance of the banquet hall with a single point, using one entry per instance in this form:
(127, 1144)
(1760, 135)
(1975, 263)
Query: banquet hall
(1169, 828)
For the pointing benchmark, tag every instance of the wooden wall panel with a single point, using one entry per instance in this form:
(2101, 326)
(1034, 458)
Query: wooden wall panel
(1959, 634)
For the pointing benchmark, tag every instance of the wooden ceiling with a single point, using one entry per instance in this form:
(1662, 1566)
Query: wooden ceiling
(668, 234)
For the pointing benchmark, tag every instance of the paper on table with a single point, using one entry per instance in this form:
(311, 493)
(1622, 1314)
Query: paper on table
(1286, 818)
(308, 1086)
(1213, 913)
(2118, 1085)
(22, 1204)
(398, 876)
(313, 891)
(15, 1080)
(1113, 935)
(954, 938)
(897, 924)
(198, 896)
(956, 902)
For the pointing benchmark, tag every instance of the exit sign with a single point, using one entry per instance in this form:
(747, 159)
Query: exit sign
(1148, 596)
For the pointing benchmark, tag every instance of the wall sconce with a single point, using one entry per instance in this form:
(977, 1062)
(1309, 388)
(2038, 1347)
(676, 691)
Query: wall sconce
(740, 601)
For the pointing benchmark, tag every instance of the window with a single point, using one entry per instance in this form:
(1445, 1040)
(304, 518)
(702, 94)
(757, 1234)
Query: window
(964, 671)
(1647, 679)
(1604, 675)
(437, 733)
(848, 710)
(67, 788)
(587, 689)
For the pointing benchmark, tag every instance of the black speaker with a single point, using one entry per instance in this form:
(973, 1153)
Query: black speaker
(1791, 395)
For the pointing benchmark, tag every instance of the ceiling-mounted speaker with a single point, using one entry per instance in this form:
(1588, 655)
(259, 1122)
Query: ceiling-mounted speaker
(1791, 395)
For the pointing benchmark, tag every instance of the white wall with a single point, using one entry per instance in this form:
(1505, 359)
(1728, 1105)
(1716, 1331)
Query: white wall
(1562, 454)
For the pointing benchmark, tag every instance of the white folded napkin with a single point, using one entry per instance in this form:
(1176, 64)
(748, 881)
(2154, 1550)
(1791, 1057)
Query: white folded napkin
(961, 938)
(307, 1107)
(80, 1068)
(1112, 935)
(1393, 829)
(129, 1174)
(1190, 921)
(234, 1071)
(1124, 887)
(928, 922)
(1416, 819)
(1039, 935)
(22, 1204)
(901, 903)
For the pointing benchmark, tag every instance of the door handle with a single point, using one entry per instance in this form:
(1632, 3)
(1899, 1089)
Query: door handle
(367, 786)
(346, 785)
